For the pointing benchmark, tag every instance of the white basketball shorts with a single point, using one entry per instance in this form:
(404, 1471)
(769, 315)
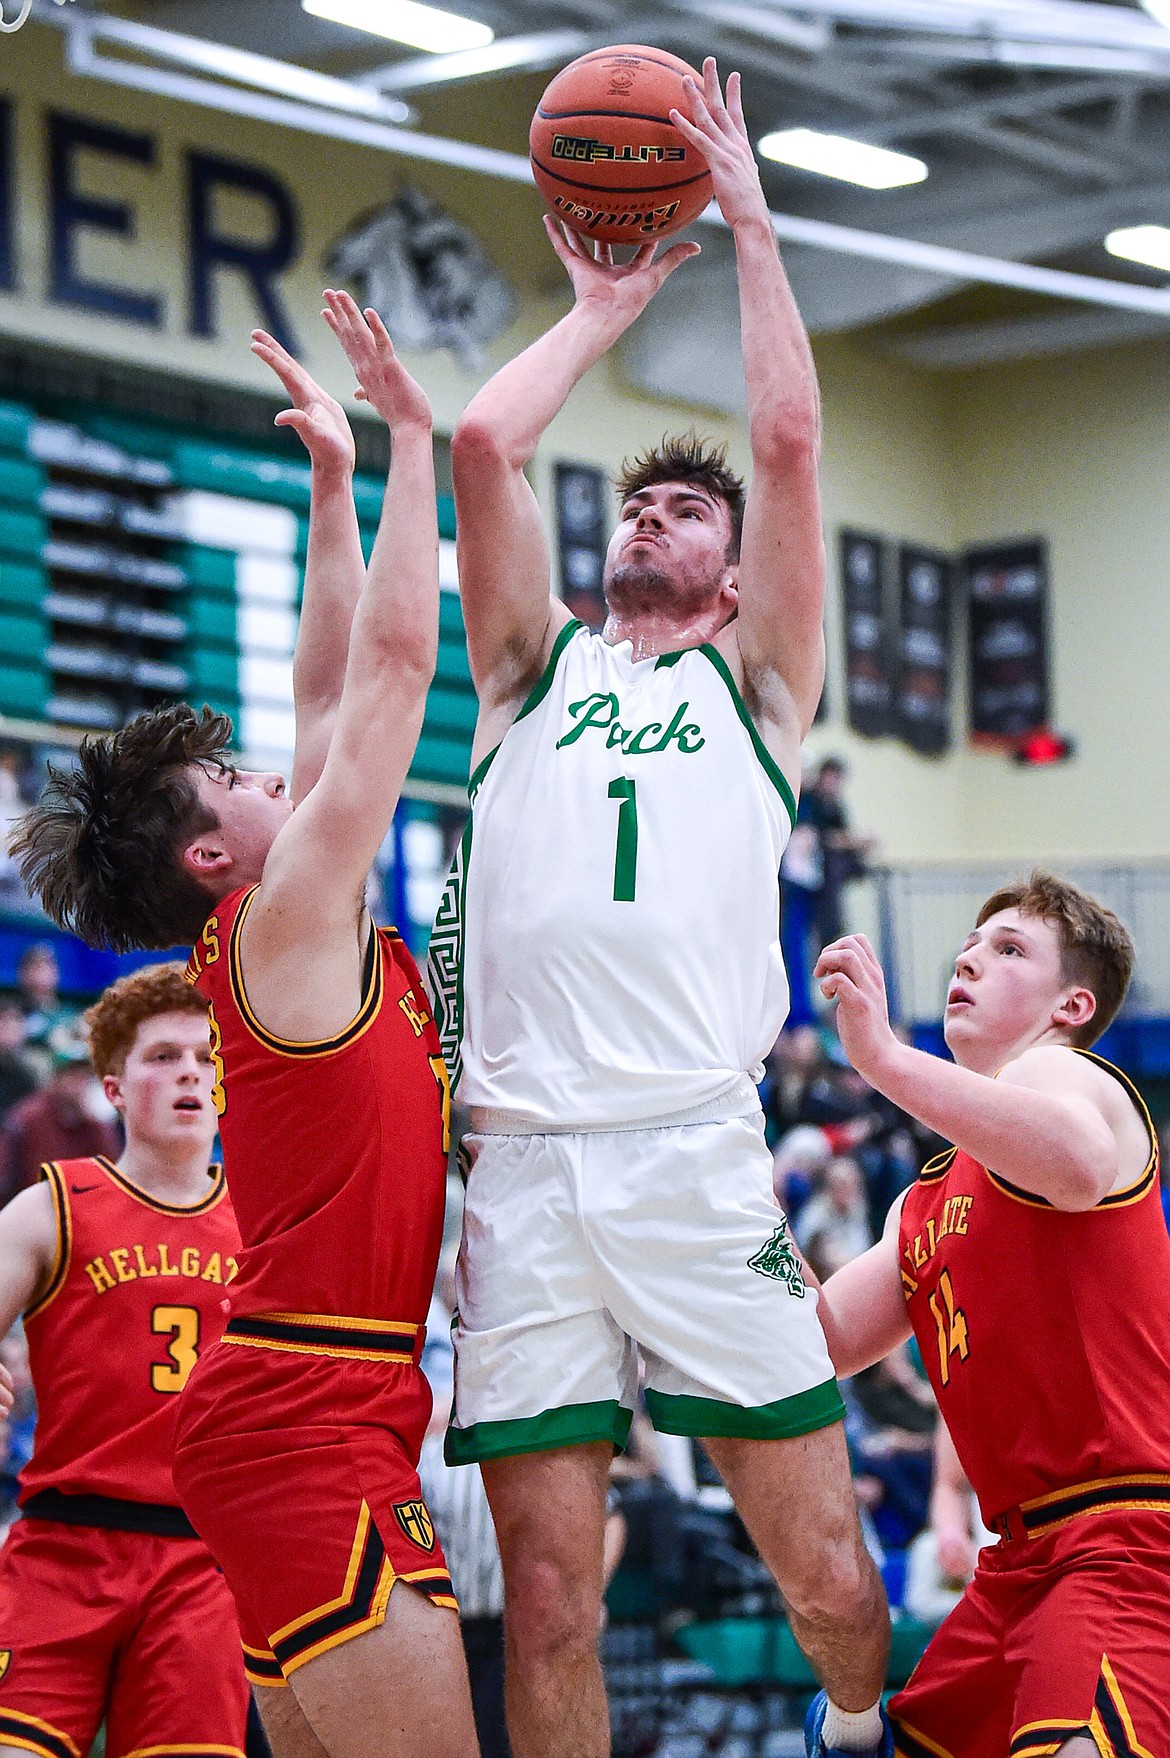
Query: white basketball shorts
(583, 1253)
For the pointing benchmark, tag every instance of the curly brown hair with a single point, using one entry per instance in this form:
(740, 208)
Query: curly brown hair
(101, 847)
(1096, 947)
(114, 1018)
(686, 457)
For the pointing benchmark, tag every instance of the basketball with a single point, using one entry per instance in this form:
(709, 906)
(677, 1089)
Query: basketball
(605, 155)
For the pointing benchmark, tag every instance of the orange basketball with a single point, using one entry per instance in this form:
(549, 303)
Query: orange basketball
(605, 155)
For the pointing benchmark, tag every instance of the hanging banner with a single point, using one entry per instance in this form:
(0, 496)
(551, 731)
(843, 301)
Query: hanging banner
(1007, 624)
(869, 695)
(923, 703)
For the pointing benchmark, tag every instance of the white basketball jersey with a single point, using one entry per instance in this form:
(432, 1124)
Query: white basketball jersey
(607, 951)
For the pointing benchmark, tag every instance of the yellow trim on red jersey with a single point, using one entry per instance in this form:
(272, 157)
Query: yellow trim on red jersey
(909, 1743)
(197, 1751)
(1112, 1724)
(55, 1179)
(261, 1667)
(1113, 1199)
(938, 1167)
(367, 1013)
(135, 1191)
(52, 1743)
(331, 1334)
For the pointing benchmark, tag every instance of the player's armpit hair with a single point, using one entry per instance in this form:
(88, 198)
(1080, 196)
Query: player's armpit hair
(689, 458)
(102, 846)
(113, 1020)
(1096, 947)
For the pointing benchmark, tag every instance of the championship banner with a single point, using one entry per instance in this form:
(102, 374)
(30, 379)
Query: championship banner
(923, 702)
(1007, 634)
(869, 695)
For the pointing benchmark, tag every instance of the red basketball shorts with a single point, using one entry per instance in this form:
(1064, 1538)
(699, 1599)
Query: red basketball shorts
(125, 1626)
(1058, 1633)
(297, 1463)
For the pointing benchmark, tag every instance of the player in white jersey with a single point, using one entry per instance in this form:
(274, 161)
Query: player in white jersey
(607, 960)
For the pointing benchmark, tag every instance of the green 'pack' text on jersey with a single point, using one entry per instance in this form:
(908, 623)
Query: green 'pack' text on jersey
(607, 950)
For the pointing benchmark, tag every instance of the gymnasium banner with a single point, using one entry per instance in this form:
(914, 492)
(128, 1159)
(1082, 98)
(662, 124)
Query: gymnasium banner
(923, 702)
(1007, 639)
(869, 694)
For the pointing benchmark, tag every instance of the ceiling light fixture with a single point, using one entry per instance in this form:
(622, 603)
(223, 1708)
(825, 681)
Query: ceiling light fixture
(406, 21)
(1144, 244)
(850, 161)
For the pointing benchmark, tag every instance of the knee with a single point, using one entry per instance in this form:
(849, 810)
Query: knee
(834, 1585)
(548, 1613)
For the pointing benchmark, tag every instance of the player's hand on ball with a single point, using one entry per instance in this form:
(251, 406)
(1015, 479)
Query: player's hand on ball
(621, 288)
(383, 381)
(316, 416)
(717, 129)
(849, 974)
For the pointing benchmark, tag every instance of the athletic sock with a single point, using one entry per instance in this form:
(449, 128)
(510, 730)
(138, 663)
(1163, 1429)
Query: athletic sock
(846, 1732)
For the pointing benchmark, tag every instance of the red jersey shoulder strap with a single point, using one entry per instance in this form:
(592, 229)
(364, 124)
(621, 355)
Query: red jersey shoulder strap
(367, 1013)
(1116, 1199)
(52, 1173)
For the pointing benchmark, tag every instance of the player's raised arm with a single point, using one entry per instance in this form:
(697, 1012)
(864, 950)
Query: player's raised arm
(503, 552)
(861, 1307)
(1051, 1123)
(315, 871)
(334, 566)
(778, 629)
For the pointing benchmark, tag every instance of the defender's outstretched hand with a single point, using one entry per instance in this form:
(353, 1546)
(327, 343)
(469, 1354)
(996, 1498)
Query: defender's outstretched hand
(315, 415)
(383, 381)
(849, 974)
(718, 131)
(7, 1393)
(625, 288)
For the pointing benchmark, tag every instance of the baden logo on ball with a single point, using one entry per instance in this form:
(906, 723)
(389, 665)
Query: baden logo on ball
(605, 155)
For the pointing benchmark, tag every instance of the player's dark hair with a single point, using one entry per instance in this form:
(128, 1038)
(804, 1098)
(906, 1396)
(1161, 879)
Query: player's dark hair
(114, 1018)
(1096, 947)
(686, 457)
(102, 846)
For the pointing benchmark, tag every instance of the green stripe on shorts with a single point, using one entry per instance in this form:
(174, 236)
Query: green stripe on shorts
(571, 1426)
(800, 1414)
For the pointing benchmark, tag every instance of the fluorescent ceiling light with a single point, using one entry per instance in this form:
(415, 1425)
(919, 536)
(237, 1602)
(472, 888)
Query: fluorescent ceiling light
(406, 21)
(850, 161)
(1145, 244)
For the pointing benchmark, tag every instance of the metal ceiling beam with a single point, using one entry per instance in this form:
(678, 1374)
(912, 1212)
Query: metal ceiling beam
(535, 49)
(83, 31)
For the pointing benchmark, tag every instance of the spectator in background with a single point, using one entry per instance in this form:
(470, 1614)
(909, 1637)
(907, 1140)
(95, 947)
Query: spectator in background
(18, 1075)
(38, 976)
(792, 1063)
(833, 1226)
(59, 1122)
(844, 854)
(798, 1167)
(942, 1557)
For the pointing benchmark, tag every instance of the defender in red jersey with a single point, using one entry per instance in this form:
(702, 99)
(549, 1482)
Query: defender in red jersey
(110, 1605)
(1027, 1261)
(300, 1432)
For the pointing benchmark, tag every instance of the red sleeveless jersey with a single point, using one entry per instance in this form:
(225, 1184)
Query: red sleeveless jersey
(137, 1292)
(1046, 1335)
(336, 1150)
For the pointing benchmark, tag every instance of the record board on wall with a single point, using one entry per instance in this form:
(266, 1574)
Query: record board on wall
(922, 705)
(1007, 639)
(869, 692)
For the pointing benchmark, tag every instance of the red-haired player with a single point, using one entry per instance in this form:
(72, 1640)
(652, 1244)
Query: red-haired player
(1032, 1262)
(300, 1434)
(110, 1606)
